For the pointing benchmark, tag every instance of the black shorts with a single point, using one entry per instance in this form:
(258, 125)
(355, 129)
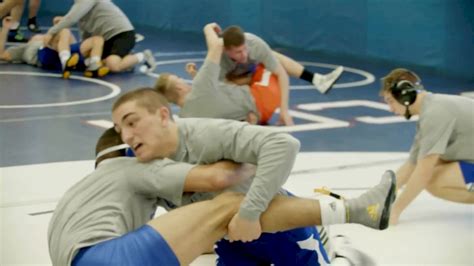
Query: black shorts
(121, 44)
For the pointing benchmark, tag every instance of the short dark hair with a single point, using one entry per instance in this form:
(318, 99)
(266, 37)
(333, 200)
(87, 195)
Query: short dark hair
(108, 139)
(233, 36)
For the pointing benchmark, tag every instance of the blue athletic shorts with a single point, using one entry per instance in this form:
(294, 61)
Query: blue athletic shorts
(144, 246)
(467, 170)
(301, 246)
(49, 58)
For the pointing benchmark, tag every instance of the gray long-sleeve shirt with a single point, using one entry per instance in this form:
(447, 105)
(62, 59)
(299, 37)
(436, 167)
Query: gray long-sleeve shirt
(213, 98)
(95, 18)
(26, 53)
(204, 141)
(120, 196)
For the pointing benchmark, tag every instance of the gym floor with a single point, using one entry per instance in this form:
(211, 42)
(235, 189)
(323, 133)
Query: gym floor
(49, 126)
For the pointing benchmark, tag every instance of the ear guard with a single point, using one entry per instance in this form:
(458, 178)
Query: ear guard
(405, 92)
(112, 149)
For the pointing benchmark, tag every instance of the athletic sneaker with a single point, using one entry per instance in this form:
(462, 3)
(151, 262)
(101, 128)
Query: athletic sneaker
(323, 83)
(372, 208)
(324, 236)
(97, 73)
(16, 36)
(344, 249)
(150, 61)
(70, 65)
(33, 25)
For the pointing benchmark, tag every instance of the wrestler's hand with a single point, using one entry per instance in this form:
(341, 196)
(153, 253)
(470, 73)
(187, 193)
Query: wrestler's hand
(212, 32)
(214, 26)
(57, 19)
(285, 119)
(191, 69)
(229, 173)
(252, 118)
(243, 230)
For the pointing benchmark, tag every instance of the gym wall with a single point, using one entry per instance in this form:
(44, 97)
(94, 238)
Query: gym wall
(430, 34)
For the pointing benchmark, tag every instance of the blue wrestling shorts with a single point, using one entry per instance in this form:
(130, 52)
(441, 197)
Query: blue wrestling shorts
(49, 58)
(144, 246)
(297, 247)
(300, 246)
(467, 170)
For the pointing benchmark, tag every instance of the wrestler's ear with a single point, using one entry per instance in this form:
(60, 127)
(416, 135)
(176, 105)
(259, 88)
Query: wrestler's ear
(165, 115)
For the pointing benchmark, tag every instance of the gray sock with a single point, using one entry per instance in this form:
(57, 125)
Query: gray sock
(372, 208)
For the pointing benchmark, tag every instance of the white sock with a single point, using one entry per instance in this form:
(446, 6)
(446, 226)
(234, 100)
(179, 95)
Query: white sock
(332, 211)
(94, 63)
(317, 78)
(95, 59)
(140, 57)
(64, 56)
(15, 25)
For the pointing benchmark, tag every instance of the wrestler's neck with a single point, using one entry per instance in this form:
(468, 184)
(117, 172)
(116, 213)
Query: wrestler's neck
(415, 108)
(183, 91)
(172, 140)
(181, 100)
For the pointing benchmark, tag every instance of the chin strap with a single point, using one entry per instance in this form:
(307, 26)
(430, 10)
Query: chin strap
(111, 149)
(407, 113)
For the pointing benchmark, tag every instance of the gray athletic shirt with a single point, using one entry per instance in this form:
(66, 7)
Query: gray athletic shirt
(258, 52)
(95, 18)
(120, 196)
(445, 127)
(26, 53)
(212, 98)
(204, 141)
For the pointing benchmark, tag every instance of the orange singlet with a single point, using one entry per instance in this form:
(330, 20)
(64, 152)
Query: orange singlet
(266, 93)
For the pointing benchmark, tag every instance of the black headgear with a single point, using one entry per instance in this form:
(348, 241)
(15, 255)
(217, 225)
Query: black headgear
(405, 92)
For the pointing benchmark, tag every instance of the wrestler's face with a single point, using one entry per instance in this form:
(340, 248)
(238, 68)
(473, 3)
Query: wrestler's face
(146, 132)
(179, 84)
(395, 106)
(238, 53)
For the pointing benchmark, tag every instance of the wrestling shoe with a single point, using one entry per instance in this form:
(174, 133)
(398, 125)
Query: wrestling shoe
(70, 65)
(372, 208)
(344, 249)
(324, 83)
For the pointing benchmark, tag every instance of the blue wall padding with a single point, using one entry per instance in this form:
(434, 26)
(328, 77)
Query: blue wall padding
(437, 34)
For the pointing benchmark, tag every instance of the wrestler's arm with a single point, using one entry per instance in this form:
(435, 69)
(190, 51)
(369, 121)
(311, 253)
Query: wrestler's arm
(217, 176)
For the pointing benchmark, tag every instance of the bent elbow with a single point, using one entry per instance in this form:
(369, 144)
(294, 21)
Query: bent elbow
(293, 144)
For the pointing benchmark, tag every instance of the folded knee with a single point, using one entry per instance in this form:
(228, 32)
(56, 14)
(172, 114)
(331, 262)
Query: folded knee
(113, 67)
